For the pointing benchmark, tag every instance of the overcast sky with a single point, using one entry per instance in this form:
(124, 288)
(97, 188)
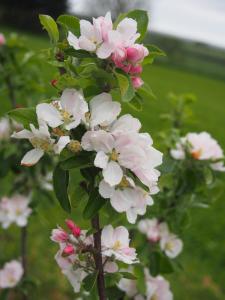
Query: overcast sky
(199, 20)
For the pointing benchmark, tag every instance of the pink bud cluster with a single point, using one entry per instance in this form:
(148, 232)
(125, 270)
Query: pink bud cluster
(129, 60)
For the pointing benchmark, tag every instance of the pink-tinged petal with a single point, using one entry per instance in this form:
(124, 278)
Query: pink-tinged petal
(103, 110)
(126, 123)
(61, 144)
(112, 173)
(49, 114)
(111, 267)
(101, 160)
(86, 29)
(98, 141)
(73, 41)
(105, 50)
(32, 157)
(105, 190)
(86, 44)
(121, 234)
(23, 134)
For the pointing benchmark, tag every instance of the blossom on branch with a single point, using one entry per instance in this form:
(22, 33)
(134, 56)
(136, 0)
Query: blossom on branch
(11, 274)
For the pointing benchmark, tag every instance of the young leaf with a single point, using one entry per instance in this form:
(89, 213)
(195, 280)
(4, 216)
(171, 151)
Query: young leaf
(79, 53)
(95, 202)
(50, 26)
(71, 23)
(25, 116)
(89, 281)
(125, 85)
(60, 184)
(142, 19)
(136, 103)
(146, 90)
(153, 53)
(81, 160)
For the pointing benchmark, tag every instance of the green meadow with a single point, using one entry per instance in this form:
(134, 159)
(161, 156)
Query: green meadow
(203, 258)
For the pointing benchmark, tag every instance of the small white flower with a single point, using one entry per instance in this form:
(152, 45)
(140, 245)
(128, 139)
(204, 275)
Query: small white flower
(201, 146)
(126, 197)
(41, 141)
(14, 210)
(171, 245)
(11, 274)
(151, 228)
(68, 111)
(115, 243)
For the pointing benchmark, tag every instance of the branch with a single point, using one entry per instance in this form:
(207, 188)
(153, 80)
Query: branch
(98, 258)
(23, 242)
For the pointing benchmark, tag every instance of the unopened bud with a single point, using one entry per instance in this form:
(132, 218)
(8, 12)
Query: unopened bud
(54, 82)
(76, 231)
(68, 250)
(74, 146)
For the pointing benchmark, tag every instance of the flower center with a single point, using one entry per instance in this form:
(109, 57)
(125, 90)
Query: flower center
(124, 183)
(87, 116)
(41, 144)
(114, 155)
(66, 115)
(74, 146)
(117, 245)
(154, 297)
(169, 246)
(18, 212)
(196, 154)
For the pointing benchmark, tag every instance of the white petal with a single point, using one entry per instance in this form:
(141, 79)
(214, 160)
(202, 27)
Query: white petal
(98, 141)
(86, 29)
(113, 173)
(128, 28)
(105, 190)
(86, 44)
(110, 267)
(101, 160)
(73, 41)
(23, 134)
(62, 142)
(103, 110)
(121, 234)
(32, 157)
(126, 123)
(48, 113)
(131, 215)
(105, 50)
(121, 200)
(107, 236)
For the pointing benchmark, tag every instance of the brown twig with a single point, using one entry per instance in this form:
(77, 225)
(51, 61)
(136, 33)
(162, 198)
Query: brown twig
(98, 258)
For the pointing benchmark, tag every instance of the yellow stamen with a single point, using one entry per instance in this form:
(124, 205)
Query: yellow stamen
(196, 154)
(117, 245)
(114, 155)
(124, 183)
(74, 146)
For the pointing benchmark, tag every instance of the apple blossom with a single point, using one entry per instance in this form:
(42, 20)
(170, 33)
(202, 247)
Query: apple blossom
(115, 242)
(128, 286)
(171, 245)
(76, 231)
(11, 274)
(137, 82)
(92, 35)
(59, 235)
(41, 141)
(14, 210)
(68, 111)
(2, 39)
(201, 146)
(126, 197)
(151, 228)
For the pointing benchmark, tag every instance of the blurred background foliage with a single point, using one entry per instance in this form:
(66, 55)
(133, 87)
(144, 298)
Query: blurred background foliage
(190, 67)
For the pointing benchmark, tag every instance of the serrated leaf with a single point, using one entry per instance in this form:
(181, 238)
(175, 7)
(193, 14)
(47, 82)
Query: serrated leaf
(89, 281)
(95, 203)
(154, 52)
(71, 23)
(136, 103)
(25, 116)
(125, 85)
(50, 26)
(60, 184)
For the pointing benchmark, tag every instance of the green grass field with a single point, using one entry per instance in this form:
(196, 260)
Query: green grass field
(203, 258)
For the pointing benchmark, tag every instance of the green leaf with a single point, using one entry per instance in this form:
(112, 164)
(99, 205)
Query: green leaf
(25, 116)
(95, 203)
(166, 266)
(128, 275)
(89, 281)
(140, 16)
(60, 184)
(125, 85)
(71, 23)
(208, 175)
(50, 26)
(146, 90)
(111, 279)
(82, 160)
(136, 103)
(79, 53)
(155, 258)
(139, 273)
(154, 52)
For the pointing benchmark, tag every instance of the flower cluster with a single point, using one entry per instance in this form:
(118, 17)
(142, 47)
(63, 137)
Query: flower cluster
(10, 274)
(118, 45)
(156, 288)
(2, 39)
(14, 210)
(201, 146)
(76, 254)
(122, 152)
(157, 231)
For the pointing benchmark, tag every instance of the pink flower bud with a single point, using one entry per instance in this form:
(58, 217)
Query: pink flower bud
(136, 53)
(126, 68)
(119, 56)
(68, 250)
(76, 231)
(70, 224)
(136, 69)
(59, 235)
(137, 82)
(2, 39)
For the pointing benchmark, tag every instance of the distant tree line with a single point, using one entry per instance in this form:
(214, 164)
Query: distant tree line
(23, 14)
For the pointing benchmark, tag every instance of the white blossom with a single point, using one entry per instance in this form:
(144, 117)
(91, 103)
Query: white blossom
(11, 274)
